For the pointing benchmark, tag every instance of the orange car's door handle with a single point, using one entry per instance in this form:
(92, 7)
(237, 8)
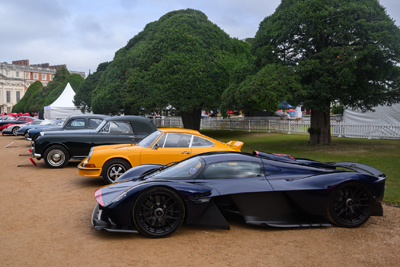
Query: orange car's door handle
(185, 152)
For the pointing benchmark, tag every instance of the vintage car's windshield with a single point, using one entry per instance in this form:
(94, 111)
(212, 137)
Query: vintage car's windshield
(148, 140)
(101, 125)
(184, 170)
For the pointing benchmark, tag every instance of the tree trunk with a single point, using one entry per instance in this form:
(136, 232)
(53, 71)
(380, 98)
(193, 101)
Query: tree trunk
(191, 120)
(320, 130)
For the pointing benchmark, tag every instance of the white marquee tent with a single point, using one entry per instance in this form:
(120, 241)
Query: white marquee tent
(63, 107)
(382, 115)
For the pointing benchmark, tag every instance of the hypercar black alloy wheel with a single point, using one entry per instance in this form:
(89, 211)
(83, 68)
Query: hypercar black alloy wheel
(158, 212)
(350, 205)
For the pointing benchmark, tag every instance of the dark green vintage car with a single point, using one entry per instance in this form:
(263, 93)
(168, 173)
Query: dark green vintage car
(58, 147)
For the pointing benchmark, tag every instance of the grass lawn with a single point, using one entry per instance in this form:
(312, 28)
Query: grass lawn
(381, 154)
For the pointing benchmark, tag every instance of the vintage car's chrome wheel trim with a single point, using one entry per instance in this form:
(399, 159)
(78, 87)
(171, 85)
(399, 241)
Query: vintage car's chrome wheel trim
(56, 157)
(351, 204)
(15, 131)
(115, 171)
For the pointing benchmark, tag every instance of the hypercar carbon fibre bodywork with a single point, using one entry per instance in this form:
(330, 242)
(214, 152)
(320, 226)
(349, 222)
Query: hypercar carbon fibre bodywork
(263, 188)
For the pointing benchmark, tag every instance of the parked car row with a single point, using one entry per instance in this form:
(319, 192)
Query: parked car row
(160, 178)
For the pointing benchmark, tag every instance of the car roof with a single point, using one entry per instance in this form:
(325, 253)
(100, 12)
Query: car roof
(100, 116)
(179, 130)
(141, 124)
(29, 117)
(219, 156)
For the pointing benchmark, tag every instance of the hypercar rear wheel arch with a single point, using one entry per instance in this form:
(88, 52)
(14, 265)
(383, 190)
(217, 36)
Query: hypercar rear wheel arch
(349, 205)
(158, 211)
(113, 169)
(56, 156)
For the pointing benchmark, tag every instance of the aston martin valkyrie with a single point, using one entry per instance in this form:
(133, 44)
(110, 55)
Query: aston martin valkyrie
(265, 189)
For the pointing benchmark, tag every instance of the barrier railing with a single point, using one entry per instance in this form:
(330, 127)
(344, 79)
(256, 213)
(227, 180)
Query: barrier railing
(273, 124)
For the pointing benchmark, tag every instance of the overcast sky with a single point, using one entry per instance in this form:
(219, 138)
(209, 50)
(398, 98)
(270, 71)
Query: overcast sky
(83, 33)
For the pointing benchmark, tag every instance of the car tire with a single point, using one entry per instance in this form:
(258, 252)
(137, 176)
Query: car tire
(15, 131)
(158, 212)
(349, 205)
(56, 157)
(36, 136)
(113, 169)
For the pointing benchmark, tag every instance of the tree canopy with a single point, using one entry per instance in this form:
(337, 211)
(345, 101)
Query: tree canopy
(83, 96)
(23, 105)
(38, 96)
(182, 60)
(345, 50)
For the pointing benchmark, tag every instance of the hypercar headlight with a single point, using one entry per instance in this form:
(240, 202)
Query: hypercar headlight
(118, 198)
(41, 133)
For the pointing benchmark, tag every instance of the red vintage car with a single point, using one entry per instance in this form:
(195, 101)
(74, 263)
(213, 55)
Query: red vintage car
(19, 120)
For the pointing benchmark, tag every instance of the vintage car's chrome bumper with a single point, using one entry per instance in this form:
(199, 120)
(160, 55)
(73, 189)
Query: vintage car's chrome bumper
(35, 155)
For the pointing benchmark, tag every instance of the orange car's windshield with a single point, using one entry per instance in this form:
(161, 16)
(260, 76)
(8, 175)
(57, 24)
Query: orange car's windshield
(148, 140)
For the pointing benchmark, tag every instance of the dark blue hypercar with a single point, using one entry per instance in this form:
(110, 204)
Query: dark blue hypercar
(265, 189)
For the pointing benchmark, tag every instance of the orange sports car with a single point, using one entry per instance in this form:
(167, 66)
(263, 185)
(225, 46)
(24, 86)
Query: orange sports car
(162, 146)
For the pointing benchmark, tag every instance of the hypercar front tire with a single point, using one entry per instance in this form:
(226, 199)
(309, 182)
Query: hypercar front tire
(113, 169)
(56, 157)
(349, 205)
(158, 212)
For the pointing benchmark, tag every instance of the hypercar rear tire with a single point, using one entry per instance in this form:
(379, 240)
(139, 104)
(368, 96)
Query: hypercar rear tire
(349, 205)
(158, 212)
(113, 169)
(15, 131)
(56, 157)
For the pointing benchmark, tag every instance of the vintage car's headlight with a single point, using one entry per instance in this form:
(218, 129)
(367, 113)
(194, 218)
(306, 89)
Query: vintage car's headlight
(90, 154)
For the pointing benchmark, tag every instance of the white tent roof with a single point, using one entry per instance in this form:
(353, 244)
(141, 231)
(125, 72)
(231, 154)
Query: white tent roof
(65, 99)
(63, 107)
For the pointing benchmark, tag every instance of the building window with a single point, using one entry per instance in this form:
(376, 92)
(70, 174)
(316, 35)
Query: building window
(27, 75)
(44, 77)
(7, 72)
(8, 109)
(8, 96)
(18, 96)
(51, 77)
(17, 74)
(35, 76)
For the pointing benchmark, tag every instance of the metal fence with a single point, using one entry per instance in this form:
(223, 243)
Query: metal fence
(274, 124)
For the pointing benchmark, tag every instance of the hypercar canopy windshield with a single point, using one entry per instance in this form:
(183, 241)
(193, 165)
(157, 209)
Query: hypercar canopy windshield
(185, 170)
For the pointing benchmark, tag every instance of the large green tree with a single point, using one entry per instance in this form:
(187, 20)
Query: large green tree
(345, 50)
(182, 60)
(23, 104)
(83, 96)
(39, 96)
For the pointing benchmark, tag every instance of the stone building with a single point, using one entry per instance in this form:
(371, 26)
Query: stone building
(15, 79)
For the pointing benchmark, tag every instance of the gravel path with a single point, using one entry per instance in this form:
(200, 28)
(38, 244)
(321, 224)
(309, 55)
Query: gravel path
(46, 222)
